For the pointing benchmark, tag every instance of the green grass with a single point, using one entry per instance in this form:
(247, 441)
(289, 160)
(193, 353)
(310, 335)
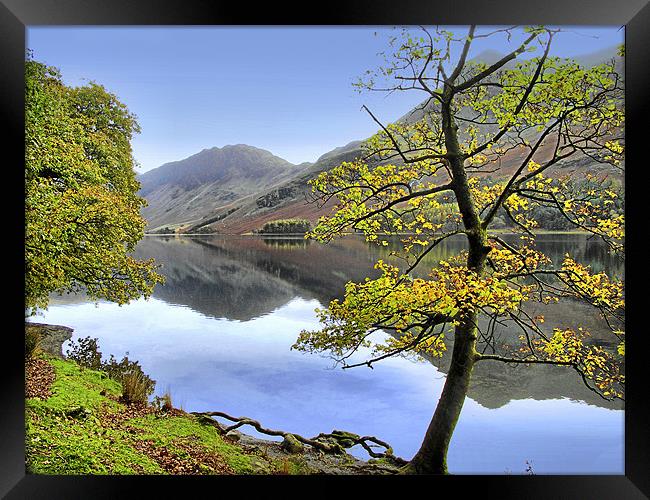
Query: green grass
(65, 433)
(169, 430)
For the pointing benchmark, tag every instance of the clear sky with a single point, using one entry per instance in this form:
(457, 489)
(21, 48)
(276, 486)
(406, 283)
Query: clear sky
(284, 89)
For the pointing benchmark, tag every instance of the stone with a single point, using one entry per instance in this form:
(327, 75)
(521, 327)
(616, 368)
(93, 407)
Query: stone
(291, 444)
(52, 336)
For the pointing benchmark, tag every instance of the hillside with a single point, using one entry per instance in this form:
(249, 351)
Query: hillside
(194, 196)
(195, 207)
(185, 190)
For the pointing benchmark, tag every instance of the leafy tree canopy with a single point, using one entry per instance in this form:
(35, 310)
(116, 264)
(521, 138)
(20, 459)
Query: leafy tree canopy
(486, 143)
(82, 211)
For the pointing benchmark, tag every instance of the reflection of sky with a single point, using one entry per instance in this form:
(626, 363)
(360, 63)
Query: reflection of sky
(247, 369)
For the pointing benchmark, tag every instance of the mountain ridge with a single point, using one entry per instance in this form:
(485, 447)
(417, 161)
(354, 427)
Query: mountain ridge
(184, 190)
(218, 206)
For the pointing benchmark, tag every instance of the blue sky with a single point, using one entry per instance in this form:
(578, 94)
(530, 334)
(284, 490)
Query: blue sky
(284, 89)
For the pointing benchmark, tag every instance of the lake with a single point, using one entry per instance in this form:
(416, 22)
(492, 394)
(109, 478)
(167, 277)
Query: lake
(217, 335)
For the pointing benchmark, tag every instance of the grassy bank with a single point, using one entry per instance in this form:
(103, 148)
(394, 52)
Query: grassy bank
(78, 423)
(79, 426)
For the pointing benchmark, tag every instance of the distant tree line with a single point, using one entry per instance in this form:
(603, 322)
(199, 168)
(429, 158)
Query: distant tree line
(286, 226)
(164, 230)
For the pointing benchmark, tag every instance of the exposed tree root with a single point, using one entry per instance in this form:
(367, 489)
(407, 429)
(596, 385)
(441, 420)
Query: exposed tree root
(334, 442)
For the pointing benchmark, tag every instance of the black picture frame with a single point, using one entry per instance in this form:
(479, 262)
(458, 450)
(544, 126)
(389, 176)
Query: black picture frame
(15, 15)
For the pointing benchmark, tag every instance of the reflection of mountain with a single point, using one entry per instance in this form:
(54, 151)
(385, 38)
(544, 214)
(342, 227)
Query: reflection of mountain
(212, 282)
(494, 384)
(241, 278)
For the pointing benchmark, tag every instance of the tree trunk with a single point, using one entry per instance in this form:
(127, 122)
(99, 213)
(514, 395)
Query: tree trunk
(432, 456)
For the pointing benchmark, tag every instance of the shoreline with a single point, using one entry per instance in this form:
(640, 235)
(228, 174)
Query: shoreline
(75, 401)
(295, 235)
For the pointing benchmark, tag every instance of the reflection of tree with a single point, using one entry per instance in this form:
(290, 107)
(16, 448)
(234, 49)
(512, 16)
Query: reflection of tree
(286, 243)
(242, 278)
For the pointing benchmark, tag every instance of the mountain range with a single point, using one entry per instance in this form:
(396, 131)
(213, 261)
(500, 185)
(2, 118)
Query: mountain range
(236, 189)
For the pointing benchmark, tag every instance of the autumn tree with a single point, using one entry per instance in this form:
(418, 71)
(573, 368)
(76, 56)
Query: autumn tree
(487, 140)
(82, 211)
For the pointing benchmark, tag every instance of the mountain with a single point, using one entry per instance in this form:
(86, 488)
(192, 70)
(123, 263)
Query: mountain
(285, 200)
(214, 191)
(490, 56)
(184, 191)
(240, 185)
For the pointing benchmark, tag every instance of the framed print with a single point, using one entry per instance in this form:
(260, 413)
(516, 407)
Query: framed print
(389, 240)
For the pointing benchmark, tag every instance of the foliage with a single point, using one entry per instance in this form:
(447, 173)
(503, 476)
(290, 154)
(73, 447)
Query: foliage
(32, 343)
(164, 402)
(137, 386)
(81, 205)
(485, 147)
(286, 226)
(85, 352)
(550, 214)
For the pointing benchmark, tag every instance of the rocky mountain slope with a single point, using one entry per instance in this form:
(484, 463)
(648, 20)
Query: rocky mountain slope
(236, 189)
(233, 202)
(184, 191)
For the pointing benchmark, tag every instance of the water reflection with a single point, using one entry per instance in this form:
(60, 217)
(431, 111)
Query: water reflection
(218, 334)
(298, 243)
(243, 278)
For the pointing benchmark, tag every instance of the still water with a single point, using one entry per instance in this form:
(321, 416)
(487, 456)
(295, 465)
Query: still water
(217, 335)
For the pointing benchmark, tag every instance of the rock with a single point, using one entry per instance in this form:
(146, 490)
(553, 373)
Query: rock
(292, 445)
(52, 336)
(78, 412)
(206, 420)
(232, 437)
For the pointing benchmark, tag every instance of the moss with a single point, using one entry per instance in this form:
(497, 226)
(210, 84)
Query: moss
(76, 386)
(293, 465)
(57, 446)
(64, 434)
(292, 445)
(169, 431)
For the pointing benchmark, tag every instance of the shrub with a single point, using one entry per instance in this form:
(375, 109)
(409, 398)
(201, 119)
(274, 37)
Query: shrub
(164, 402)
(32, 343)
(129, 373)
(85, 352)
(136, 385)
